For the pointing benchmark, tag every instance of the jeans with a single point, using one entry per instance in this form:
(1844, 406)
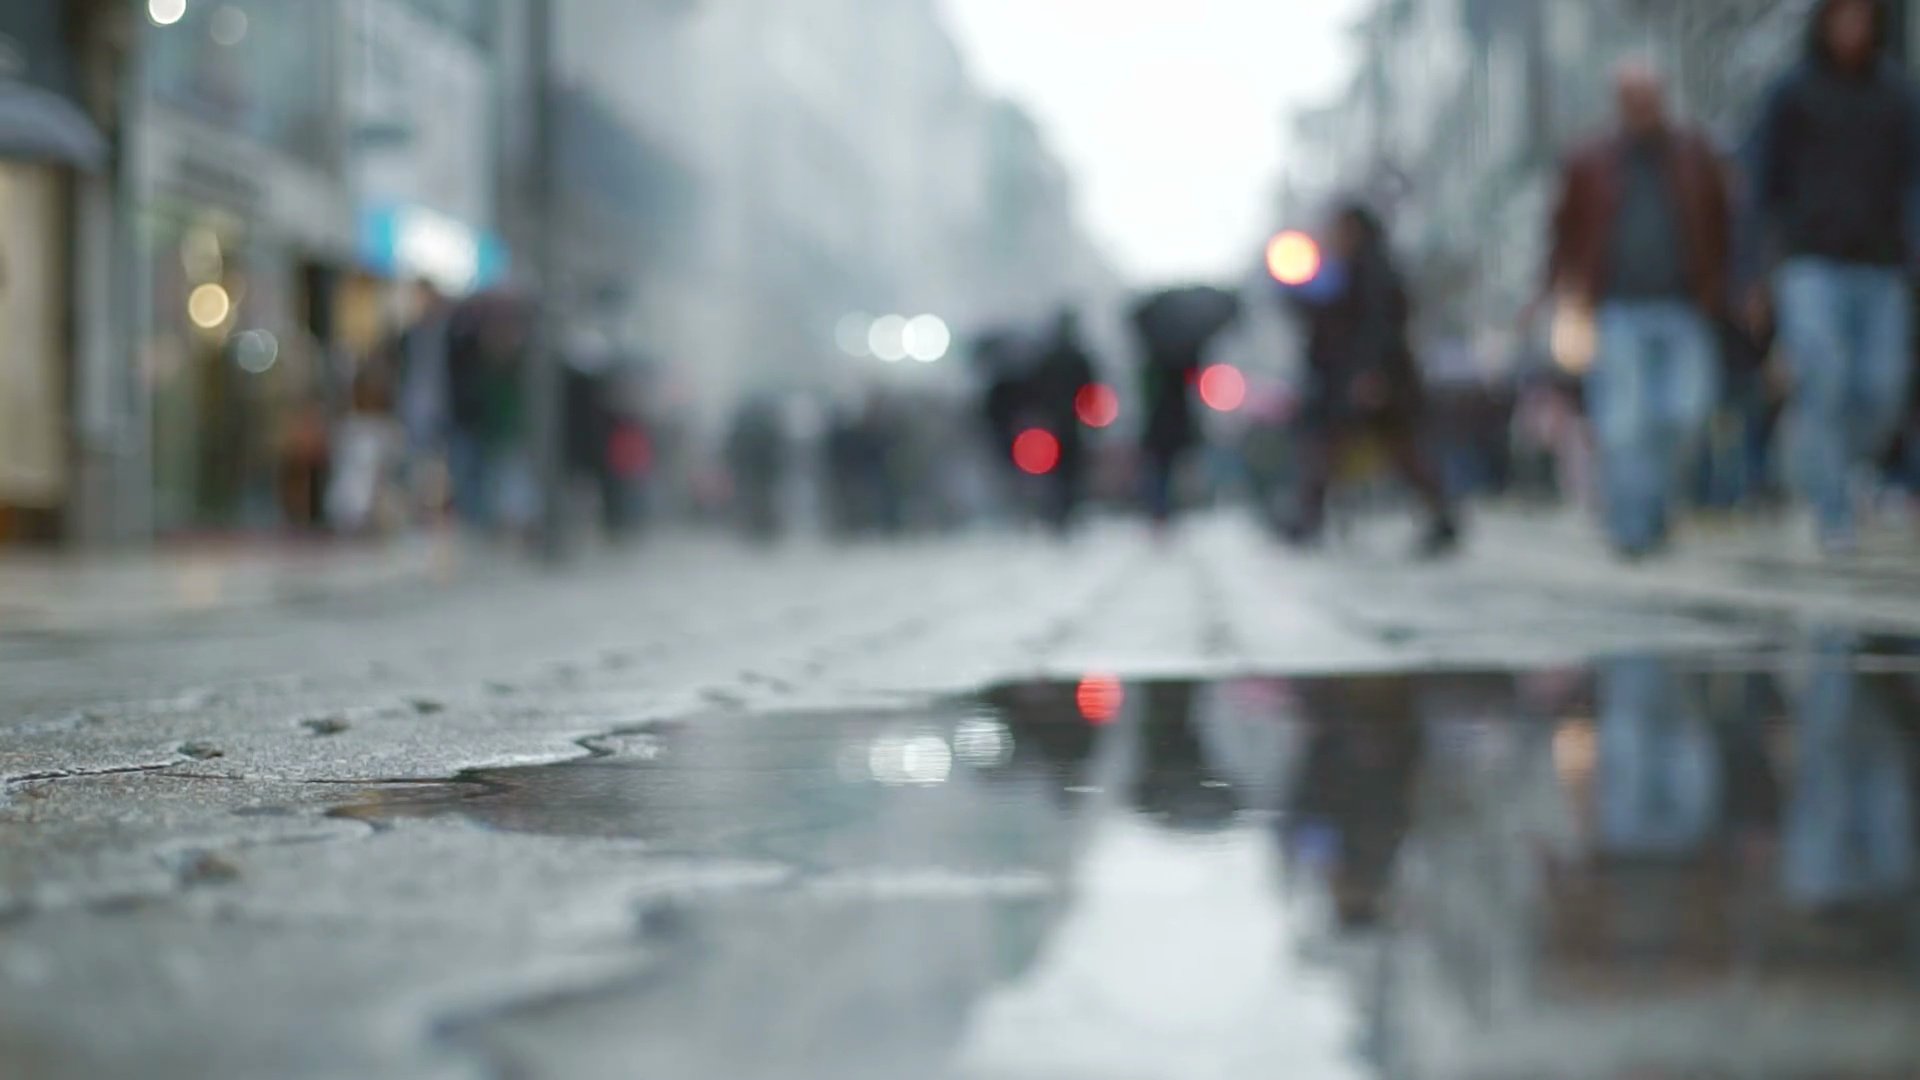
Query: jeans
(1846, 329)
(1651, 391)
(1849, 829)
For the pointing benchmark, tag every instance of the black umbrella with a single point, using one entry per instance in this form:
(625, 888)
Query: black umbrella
(37, 124)
(1185, 319)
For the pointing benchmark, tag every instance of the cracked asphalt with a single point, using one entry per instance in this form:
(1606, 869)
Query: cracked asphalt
(707, 811)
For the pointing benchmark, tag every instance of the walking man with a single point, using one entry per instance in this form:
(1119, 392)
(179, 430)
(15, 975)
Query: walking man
(1833, 163)
(1640, 236)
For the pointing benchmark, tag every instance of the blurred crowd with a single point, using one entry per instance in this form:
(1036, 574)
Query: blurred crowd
(1712, 332)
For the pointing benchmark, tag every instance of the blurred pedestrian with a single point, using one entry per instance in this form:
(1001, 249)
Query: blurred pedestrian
(1640, 237)
(1363, 382)
(419, 356)
(1834, 158)
(1175, 327)
(756, 458)
(493, 479)
(1065, 370)
(369, 454)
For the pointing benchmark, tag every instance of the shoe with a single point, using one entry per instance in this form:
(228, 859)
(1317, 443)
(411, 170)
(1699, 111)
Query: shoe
(1441, 539)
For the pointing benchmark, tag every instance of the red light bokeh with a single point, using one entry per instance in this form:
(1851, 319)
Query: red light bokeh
(1097, 405)
(1223, 388)
(1036, 452)
(1099, 698)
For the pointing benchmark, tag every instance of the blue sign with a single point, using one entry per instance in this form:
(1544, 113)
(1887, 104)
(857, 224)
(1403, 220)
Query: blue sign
(404, 240)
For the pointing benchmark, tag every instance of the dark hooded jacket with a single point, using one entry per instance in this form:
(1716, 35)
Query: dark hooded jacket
(1364, 332)
(1836, 155)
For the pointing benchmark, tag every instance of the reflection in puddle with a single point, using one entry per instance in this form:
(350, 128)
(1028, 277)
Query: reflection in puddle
(1591, 873)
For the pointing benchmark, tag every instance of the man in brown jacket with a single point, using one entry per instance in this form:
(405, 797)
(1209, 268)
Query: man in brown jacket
(1641, 235)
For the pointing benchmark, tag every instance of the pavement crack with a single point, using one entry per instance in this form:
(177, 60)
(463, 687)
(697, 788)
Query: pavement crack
(83, 774)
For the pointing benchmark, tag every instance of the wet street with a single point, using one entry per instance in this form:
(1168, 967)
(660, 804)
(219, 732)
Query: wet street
(984, 810)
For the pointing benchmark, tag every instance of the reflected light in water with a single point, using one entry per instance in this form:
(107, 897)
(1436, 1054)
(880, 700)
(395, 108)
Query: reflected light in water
(919, 760)
(1099, 698)
(983, 744)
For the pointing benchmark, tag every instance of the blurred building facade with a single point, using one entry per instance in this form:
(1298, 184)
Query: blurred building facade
(1457, 112)
(711, 187)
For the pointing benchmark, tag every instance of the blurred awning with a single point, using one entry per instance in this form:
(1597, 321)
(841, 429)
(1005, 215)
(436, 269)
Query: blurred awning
(37, 124)
(39, 118)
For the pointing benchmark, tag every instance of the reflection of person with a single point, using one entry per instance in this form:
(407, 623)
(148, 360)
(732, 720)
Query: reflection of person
(1660, 781)
(1850, 823)
(1641, 235)
(1353, 800)
(1175, 784)
(1364, 382)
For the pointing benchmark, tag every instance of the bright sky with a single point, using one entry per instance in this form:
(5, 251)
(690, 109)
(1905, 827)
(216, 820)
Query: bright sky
(1171, 113)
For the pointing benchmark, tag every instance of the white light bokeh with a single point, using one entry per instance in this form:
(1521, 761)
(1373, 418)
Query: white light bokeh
(887, 338)
(851, 335)
(983, 744)
(209, 305)
(918, 759)
(229, 26)
(927, 338)
(166, 12)
(256, 351)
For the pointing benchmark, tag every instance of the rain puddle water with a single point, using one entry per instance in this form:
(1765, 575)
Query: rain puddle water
(1592, 872)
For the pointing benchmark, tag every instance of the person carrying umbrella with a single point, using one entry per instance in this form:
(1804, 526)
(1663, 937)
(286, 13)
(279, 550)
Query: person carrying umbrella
(1175, 327)
(1064, 370)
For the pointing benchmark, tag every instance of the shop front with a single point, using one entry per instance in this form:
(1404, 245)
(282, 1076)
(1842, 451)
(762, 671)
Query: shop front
(246, 230)
(44, 137)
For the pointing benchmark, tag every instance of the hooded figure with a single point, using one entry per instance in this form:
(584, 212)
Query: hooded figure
(1835, 157)
(1834, 163)
(1364, 381)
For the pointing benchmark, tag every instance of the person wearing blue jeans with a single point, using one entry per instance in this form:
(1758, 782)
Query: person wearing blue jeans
(1835, 162)
(1651, 394)
(1642, 234)
(1847, 332)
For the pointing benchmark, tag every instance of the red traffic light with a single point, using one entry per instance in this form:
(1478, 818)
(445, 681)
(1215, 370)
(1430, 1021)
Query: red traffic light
(1036, 452)
(1097, 405)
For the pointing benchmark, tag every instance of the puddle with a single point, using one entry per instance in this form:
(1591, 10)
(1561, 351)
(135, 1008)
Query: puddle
(1594, 872)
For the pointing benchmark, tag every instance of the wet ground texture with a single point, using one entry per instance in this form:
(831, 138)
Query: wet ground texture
(1702, 866)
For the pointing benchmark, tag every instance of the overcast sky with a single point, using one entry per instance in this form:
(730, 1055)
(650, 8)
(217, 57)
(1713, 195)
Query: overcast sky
(1169, 112)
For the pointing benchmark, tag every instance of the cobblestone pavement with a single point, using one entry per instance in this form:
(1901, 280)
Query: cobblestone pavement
(524, 824)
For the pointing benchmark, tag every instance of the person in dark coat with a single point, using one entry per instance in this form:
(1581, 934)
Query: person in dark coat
(1175, 327)
(1640, 237)
(1064, 370)
(1363, 381)
(1833, 162)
